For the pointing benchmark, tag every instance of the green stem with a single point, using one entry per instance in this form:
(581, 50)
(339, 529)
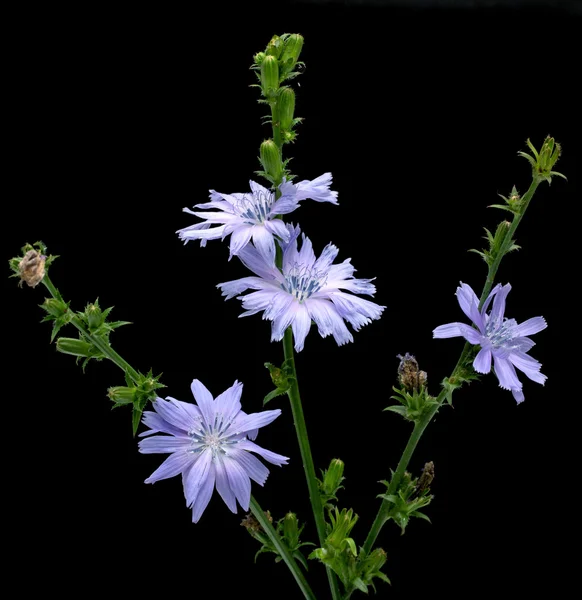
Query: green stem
(282, 549)
(422, 424)
(295, 399)
(99, 343)
(526, 199)
(306, 457)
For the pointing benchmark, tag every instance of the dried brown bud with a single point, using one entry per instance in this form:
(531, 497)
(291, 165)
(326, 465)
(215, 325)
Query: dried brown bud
(31, 268)
(409, 374)
(426, 478)
(252, 525)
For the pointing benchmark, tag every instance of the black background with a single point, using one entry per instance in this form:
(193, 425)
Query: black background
(119, 119)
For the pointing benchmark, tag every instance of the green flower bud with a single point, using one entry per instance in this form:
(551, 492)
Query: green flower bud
(543, 162)
(121, 394)
(75, 347)
(269, 75)
(271, 159)
(54, 307)
(291, 530)
(94, 316)
(286, 108)
(291, 51)
(259, 57)
(342, 525)
(275, 46)
(333, 477)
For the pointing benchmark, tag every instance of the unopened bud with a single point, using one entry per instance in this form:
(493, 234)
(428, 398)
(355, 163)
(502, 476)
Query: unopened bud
(275, 46)
(286, 108)
(94, 316)
(291, 530)
(31, 268)
(55, 307)
(75, 347)
(333, 476)
(271, 160)
(291, 51)
(259, 57)
(121, 394)
(269, 75)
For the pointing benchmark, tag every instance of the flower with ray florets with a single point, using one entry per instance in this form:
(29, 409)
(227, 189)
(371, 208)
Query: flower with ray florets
(210, 445)
(306, 289)
(253, 216)
(500, 338)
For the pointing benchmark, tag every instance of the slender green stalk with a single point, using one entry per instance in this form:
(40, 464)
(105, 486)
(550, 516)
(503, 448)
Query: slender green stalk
(103, 346)
(306, 458)
(295, 398)
(282, 549)
(422, 424)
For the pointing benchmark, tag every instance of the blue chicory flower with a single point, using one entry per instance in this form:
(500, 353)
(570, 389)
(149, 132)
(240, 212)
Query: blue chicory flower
(499, 337)
(307, 289)
(210, 445)
(253, 216)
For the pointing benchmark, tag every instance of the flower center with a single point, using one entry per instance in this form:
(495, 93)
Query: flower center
(302, 282)
(255, 208)
(215, 438)
(500, 334)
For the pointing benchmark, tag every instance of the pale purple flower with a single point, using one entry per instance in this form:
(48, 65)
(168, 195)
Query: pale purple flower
(254, 215)
(209, 445)
(307, 289)
(500, 338)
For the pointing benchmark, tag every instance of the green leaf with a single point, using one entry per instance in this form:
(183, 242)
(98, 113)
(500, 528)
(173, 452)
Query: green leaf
(360, 585)
(401, 410)
(273, 394)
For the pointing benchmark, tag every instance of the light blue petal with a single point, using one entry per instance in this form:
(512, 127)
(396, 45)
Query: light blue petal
(518, 395)
(531, 326)
(173, 465)
(239, 482)
(450, 330)
(159, 425)
(498, 311)
(253, 467)
(283, 320)
(530, 366)
(204, 496)
(317, 189)
(223, 485)
(284, 205)
(254, 261)
(164, 444)
(469, 304)
(264, 243)
(306, 256)
(278, 228)
(204, 400)
(300, 325)
(482, 362)
(257, 420)
(233, 288)
(239, 239)
(228, 404)
(194, 479)
(272, 457)
(319, 312)
(328, 255)
(506, 374)
(173, 414)
(196, 233)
